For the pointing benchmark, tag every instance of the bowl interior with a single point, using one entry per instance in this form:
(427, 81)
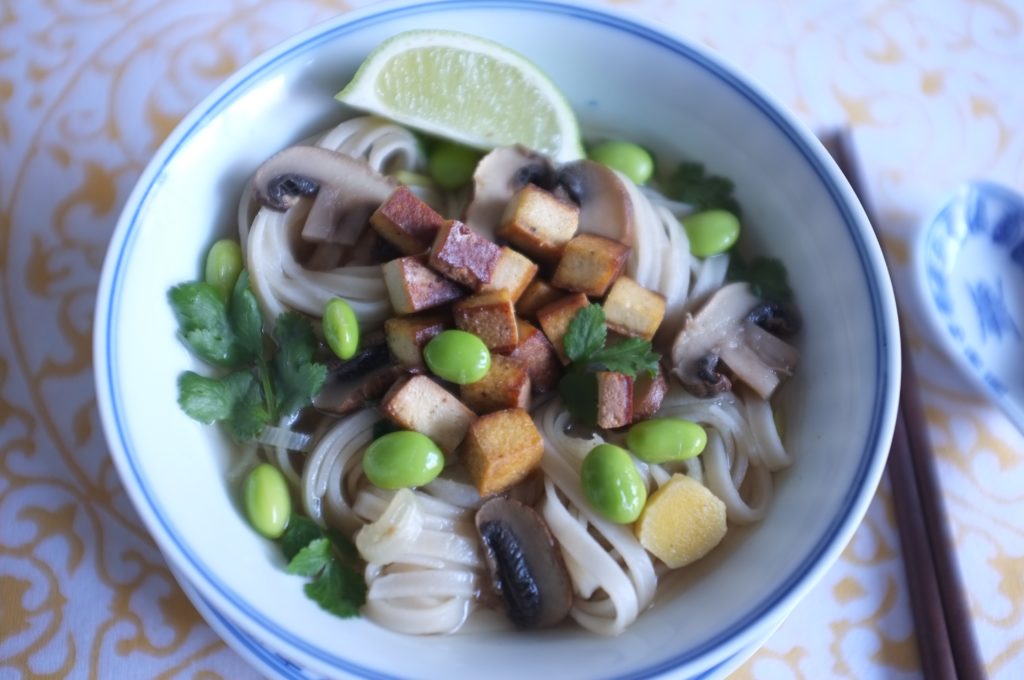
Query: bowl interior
(620, 77)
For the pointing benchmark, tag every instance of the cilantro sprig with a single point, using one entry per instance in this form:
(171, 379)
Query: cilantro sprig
(270, 379)
(330, 562)
(585, 345)
(767, 277)
(692, 184)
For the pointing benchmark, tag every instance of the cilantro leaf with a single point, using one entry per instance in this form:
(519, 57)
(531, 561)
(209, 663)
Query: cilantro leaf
(586, 333)
(204, 325)
(344, 548)
(234, 399)
(300, 532)
(250, 415)
(630, 356)
(330, 560)
(204, 399)
(246, 317)
(338, 590)
(767, 277)
(311, 560)
(692, 184)
(297, 377)
(578, 389)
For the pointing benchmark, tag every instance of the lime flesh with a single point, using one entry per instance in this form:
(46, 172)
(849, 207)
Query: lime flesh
(467, 89)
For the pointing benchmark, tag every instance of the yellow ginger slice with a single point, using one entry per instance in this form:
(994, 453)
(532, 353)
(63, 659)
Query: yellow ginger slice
(681, 522)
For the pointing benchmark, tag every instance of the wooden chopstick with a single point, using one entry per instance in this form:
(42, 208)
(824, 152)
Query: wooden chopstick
(942, 619)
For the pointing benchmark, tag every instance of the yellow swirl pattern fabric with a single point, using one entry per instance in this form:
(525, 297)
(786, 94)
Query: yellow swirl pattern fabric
(89, 88)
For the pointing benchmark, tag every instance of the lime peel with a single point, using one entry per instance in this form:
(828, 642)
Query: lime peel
(467, 89)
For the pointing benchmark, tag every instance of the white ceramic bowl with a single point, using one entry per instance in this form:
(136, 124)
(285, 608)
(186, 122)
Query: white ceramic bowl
(620, 76)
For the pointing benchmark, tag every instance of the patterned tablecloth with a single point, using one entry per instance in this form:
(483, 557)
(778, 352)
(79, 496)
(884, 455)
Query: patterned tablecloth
(88, 89)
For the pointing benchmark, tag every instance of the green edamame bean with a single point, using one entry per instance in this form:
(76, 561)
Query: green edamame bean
(612, 483)
(223, 265)
(630, 159)
(665, 439)
(402, 459)
(451, 165)
(711, 232)
(268, 504)
(457, 356)
(341, 328)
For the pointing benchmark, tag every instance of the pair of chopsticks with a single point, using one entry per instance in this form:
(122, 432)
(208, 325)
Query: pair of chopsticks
(942, 620)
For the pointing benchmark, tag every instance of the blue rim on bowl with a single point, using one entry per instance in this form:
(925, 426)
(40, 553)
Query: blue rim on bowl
(275, 665)
(762, 614)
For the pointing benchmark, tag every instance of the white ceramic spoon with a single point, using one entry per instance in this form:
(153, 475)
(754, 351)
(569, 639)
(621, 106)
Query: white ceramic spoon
(969, 270)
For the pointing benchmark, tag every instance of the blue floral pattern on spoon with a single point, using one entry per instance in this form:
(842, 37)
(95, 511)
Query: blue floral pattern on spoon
(970, 270)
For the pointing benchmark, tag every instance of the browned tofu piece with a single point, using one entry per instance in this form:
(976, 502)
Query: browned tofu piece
(418, 403)
(491, 317)
(506, 385)
(513, 272)
(501, 449)
(406, 222)
(648, 393)
(413, 286)
(538, 223)
(590, 264)
(631, 309)
(538, 294)
(463, 255)
(406, 336)
(614, 399)
(535, 353)
(555, 318)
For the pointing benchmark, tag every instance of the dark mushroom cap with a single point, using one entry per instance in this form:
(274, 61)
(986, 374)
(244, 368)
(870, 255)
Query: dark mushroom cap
(346, 190)
(527, 570)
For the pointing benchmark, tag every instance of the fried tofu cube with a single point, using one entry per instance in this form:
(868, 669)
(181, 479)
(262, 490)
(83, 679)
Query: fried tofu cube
(614, 399)
(406, 336)
(418, 403)
(491, 317)
(590, 264)
(631, 309)
(538, 294)
(413, 286)
(681, 522)
(463, 255)
(535, 354)
(555, 318)
(538, 223)
(406, 222)
(501, 449)
(512, 272)
(648, 393)
(506, 385)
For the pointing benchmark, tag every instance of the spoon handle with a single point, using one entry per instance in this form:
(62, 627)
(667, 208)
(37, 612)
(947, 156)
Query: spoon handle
(942, 618)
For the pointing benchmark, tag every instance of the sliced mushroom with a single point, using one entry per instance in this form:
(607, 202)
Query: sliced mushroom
(527, 569)
(605, 206)
(350, 384)
(498, 176)
(776, 318)
(722, 330)
(346, 190)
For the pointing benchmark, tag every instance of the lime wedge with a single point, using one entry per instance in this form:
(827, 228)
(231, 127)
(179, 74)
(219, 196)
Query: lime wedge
(466, 89)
